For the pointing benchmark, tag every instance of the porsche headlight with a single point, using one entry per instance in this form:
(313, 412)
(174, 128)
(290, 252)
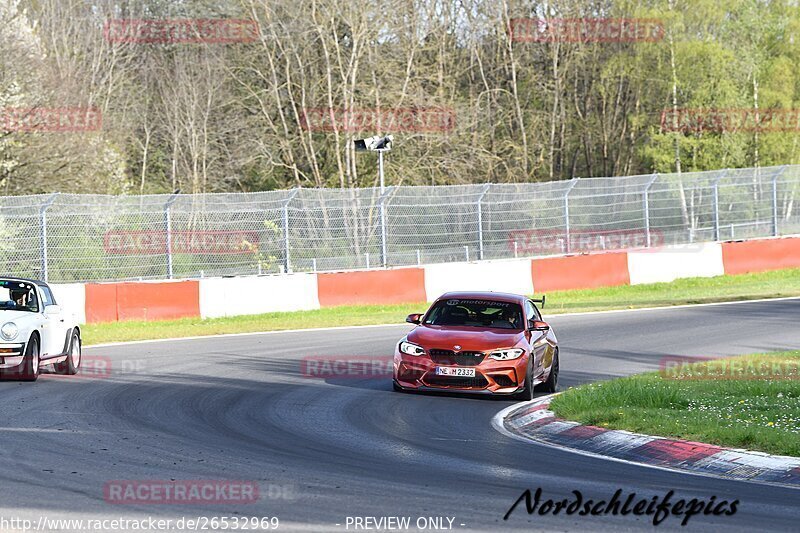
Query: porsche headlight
(9, 331)
(411, 349)
(506, 355)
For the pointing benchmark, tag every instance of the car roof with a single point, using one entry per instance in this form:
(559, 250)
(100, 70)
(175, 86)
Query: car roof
(484, 295)
(34, 281)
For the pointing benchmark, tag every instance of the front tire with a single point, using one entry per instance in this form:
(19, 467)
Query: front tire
(526, 394)
(551, 384)
(72, 363)
(30, 363)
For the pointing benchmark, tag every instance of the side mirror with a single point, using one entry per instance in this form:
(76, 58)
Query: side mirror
(538, 325)
(415, 318)
(52, 309)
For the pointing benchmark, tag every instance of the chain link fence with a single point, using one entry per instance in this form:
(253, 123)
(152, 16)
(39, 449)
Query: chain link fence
(72, 237)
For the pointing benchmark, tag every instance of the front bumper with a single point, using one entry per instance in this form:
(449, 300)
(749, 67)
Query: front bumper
(491, 376)
(11, 354)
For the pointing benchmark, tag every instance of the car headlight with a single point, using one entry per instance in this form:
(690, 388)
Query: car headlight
(9, 331)
(505, 355)
(411, 349)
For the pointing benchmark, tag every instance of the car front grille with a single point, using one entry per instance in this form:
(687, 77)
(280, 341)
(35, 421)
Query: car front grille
(478, 382)
(449, 357)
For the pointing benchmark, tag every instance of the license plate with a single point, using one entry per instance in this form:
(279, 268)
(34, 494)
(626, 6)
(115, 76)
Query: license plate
(455, 371)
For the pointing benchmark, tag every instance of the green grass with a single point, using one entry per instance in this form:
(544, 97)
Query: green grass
(684, 291)
(756, 414)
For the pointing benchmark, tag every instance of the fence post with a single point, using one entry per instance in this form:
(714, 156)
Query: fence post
(286, 257)
(646, 207)
(716, 204)
(382, 212)
(484, 190)
(573, 182)
(43, 233)
(775, 230)
(168, 231)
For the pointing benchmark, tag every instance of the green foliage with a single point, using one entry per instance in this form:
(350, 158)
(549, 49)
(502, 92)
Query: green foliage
(760, 414)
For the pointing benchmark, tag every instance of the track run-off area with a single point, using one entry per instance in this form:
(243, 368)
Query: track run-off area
(240, 408)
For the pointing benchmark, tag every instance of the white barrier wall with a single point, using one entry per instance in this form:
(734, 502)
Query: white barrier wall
(672, 262)
(71, 297)
(500, 276)
(254, 295)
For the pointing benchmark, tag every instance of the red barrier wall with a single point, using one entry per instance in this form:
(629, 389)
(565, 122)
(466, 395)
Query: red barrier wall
(580, 271)
(109, 302)
(372, 287)
(761, 255)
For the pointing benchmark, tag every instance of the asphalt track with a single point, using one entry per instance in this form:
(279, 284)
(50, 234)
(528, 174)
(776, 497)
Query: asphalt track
(238, 408)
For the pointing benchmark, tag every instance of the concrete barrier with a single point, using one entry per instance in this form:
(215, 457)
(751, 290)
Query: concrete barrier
(217, 297)
(391, 286)
(580, 271)
(672, 262)
(760, 255)
(499, 276)
(159, 300)
(255, 295)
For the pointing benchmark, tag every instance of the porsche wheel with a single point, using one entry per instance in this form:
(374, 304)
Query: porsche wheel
(72, 363)
(30, 363)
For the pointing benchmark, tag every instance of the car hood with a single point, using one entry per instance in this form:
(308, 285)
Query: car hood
(9, 315)
(470, 339)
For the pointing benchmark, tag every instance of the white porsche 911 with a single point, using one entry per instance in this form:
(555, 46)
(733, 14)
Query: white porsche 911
(35, 331)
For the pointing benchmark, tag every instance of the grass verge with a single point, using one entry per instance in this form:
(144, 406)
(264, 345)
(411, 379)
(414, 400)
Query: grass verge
(750, 402)
(684, 291)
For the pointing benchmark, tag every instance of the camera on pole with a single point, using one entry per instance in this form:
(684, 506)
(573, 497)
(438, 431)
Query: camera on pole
(376, 143)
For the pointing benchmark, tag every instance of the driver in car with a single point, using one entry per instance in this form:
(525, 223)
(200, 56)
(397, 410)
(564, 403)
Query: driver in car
(22, 297)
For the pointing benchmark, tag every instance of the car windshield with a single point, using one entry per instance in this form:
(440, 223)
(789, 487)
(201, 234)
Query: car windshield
(18, 295)
(475, 313)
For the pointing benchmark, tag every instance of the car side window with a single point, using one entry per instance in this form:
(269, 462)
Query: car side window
(531, 311)
(47, 296)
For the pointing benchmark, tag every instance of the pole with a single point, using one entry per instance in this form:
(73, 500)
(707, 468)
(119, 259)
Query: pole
(380, 169)
(43, 233)
(646, 207)
(382, 210)
(775, 230)
(480, 220)
(286, 256)
(573, 182)
(716, 205)
(168, 231)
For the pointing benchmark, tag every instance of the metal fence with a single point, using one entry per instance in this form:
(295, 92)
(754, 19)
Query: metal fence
(72, 237)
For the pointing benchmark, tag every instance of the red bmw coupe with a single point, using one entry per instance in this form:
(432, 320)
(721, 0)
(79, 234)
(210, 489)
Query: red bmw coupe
(482, 342)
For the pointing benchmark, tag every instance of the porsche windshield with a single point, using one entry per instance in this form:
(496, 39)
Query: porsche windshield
(18, 295)
(475, 313)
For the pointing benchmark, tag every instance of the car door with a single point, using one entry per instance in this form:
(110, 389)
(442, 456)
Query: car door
(55, 324)
(541, 341)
